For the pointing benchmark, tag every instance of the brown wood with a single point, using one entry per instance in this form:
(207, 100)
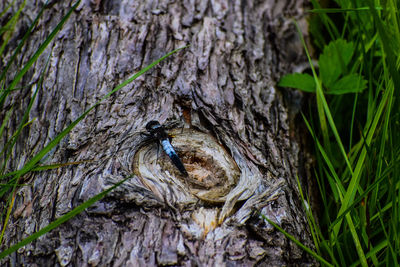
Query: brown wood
(223, 86)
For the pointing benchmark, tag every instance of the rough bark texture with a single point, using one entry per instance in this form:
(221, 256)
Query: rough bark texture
(224, 84)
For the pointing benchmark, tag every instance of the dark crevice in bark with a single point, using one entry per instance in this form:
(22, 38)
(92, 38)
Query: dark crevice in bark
(222, 85)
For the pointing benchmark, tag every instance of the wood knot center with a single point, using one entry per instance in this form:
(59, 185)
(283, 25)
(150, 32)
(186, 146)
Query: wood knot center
(212, 173)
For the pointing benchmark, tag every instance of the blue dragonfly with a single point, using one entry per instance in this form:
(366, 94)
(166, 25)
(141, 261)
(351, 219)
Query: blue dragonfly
(157, 131)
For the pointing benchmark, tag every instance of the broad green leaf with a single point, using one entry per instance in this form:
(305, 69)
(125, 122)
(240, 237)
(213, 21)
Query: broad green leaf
(352, 83)
(301, 81)
(333, 61)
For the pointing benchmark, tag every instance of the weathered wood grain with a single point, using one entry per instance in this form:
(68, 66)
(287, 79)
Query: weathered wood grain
(224, 84)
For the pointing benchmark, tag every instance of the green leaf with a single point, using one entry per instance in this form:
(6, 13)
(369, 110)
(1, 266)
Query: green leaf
(334, 60)
(301, 81)
(352, 83)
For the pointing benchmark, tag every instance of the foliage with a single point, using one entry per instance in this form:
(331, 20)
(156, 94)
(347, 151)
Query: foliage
(356, 138)
(334, 75)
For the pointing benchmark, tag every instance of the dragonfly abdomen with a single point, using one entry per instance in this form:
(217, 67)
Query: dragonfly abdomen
(167, 147)
(169, 150)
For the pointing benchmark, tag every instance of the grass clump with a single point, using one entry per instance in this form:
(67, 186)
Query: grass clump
(356, 131)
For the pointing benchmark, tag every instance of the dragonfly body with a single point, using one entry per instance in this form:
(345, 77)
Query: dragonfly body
(157, 131)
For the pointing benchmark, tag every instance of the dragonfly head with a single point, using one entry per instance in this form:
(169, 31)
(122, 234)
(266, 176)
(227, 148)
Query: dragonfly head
(151, 126)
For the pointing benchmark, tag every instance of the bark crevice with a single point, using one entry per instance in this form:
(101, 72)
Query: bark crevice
(223, 85)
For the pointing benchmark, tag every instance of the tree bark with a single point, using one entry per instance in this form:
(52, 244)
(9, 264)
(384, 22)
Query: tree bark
(221, 91)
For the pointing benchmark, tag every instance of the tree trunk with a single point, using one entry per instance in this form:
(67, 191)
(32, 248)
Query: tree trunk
(234, 133)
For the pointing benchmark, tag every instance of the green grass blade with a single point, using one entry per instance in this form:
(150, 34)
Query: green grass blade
(7, 8)
(306, 249)
(391, 56)
(9, 28)
(22, 42)
(354, 182)
(323, 104)
(356, 240)
(10, 144)
(61, 135)
(387, 237)
(326, 158)
(350, 193)
(32, 163)
(382, 245)
(7, 218)
(352, 120)
(341, 10)
(38, 52)
(371, 187)
(59, 165)
(326, 20)
(372, 153)
(60, 220)
(5, 121)
(22, 124)
(310, 217)
(41, 168)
